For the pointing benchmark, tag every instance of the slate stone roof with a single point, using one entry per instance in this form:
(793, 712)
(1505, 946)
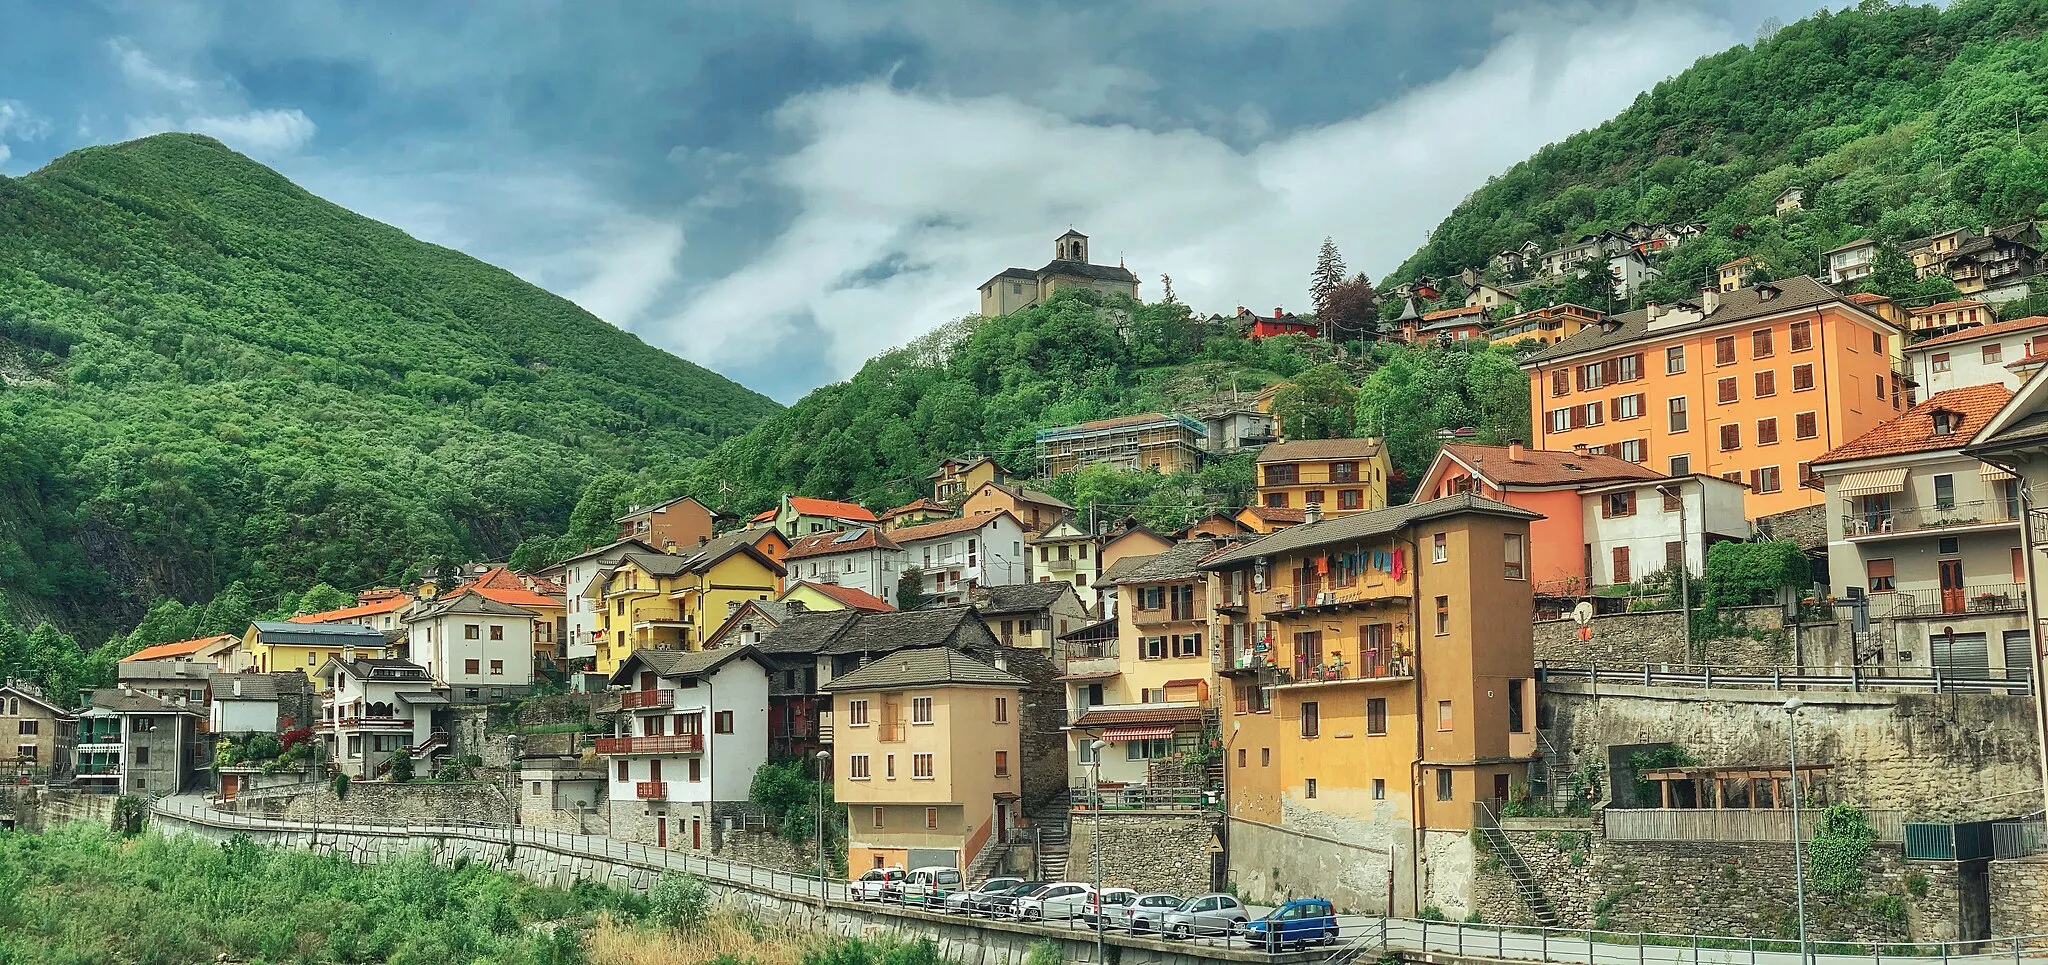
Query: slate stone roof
(924, 667)
(1182, 561)
(1799, 291)
(468, 603)
(682, 663)
(857, 631)
(1085, 270)
(1019, 597)
(808, 632)
(258, 686)
(318, 634)
(1365, 525)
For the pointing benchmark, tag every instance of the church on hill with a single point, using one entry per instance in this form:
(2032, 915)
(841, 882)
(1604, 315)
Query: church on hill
(1015, 288)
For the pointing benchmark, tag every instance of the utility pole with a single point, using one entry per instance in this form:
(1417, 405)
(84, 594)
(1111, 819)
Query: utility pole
(1677, 491)
(818, 822)
(1095, 839)
(1792, 705)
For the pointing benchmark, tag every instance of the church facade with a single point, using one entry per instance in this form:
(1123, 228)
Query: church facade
(1015, 288)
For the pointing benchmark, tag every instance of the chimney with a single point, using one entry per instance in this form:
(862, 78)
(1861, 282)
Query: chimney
(1580, 450)
(1312, 513)
(1651, 310)
(796, 606)
(1710, 299)
(732, 607)
(1515, 453)
(1276, 311)
(348, 654)
(238, 686)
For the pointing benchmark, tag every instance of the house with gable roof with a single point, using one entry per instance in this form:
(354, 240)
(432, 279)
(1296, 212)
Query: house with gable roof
(44, 736)
(664, 601)
(480, 649)
(1033, 510)
(1065, 551)
(799, 516)
(952, 555)
(692, 729)
(380, 609)
(374, 709)
(681, 521)
(863, 558)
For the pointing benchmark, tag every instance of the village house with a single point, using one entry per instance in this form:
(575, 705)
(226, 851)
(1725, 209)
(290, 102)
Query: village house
(916, 511)
(926, 758)
(955, 478)
(1547, 326)
(799, 516)
(1981, 355)
(579, 576)
(380, 609)
(1339, 475)
(1789, 200)
(1167, 443)
(1487, 297)
(1850, 262)
(1030, 616)
(1065, 552)
(130, 742)
(374, 709)
(1265, 519)
(550, 613)
(1631, 272)
(951, 556)
(1943, 318)
(661, 601)
(479, 649)
(260, 703)
(41, 737)
(1734, 275)
(1599, 246)
(269, 647)
(1381, 680)
(1032, 509)
(864, 559)
(220, 650)
(1993, 263)
(749, 622)
(1235, 428)
(692, 729)
(1255, 326)
(1513, 262)
(1749, 385)
(1016, 288)
(681, 521)
(822, 597)
(1932, 537)
(1453, 324)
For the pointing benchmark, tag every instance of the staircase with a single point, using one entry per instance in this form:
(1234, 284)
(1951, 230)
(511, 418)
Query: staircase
(985, 864)
(1051, 820)
(1525, 881)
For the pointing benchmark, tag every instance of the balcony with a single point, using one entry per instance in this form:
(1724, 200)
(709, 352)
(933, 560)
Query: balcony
(1982, 598)
(1303, 674)
(1889, 524)
(1065, 565)
(672, 744)
(1091, 658)
(891, 733)
(1323, 599)
(647, 699)
(651, 790)
(366, 722)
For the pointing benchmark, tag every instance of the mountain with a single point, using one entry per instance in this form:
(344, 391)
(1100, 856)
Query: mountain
(208, 375)
(1898, 121)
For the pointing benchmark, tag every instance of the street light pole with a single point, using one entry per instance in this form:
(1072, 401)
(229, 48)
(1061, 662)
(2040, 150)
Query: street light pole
(1792, 705)
(818, 819)
(1095, 839)
(1677, 491)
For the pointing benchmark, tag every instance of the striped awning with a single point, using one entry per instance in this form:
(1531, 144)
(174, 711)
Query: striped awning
(1121, 735)
(1989, 471)
(1872, 482)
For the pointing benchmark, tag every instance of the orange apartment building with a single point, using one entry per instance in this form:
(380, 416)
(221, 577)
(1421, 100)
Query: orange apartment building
(1381, 678)
(1547, 483)
(1339, 475)
(1749, 385)
(1549, 325)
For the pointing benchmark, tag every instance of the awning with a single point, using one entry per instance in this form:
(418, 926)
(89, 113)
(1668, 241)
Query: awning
(1120, 735)
(1989, 471)
(1873, 482)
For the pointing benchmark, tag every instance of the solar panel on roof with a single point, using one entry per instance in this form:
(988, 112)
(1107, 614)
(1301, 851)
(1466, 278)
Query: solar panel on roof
(846, 537)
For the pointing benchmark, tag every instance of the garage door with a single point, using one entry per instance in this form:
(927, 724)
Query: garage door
(1960, 654)
(2019, 657)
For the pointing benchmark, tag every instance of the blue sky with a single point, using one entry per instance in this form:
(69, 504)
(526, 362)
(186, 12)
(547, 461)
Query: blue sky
(783, 188)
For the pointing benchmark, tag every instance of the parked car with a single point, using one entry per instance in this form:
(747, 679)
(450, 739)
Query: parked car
(1299, 922)
(930, 886)
(1147, 913)
(1109, 906)
(1002, 904)
(1206, 916)
(1059, 901)
(874, 885)
(965, 902)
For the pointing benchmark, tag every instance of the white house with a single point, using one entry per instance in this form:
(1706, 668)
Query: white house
(576, 576)
(691, 731)
(1631, 271)
(1985, 355)
(952, 555)
(862, 558)
(1633, 528)
(1851, 261)
(259, 702)
(478, 648)
(375, 709)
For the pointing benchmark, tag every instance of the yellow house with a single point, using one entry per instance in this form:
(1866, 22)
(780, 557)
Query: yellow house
(955, 478)
(1339, 475)
(927, 748)
(1036, 510)
(825, 597)
(1381, 677)
(1147, 694)
(276, 647)
(672, 601)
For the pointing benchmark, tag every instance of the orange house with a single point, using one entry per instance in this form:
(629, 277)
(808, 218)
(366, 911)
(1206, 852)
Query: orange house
(1542, 482)
(1749, 385)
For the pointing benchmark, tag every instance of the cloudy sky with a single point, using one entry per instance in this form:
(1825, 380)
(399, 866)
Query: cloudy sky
(780, 189)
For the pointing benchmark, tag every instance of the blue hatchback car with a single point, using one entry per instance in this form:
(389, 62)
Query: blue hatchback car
(1303, 921)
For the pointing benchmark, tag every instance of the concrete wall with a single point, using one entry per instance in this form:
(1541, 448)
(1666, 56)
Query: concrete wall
(1943, 757)
(1349, 865)
(1146, 850)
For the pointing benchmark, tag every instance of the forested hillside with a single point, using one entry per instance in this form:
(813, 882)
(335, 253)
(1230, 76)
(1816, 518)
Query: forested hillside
(209, 375)
(1899, 121)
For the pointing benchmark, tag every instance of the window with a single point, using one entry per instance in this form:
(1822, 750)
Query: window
(1674, 551)
(878, 817)
(857, 713)
(2019, 565)
(1379, 789)
(920, 710)
(1443, 715)
(1560, 382)
(1311, 719)
(1767, 431)
(1152, 648)
(1187, 645)
(1618, 504)
(471, 667)
(1439, 548)
(1880, 574)
(1877, 342)
(1314, 496)
(1994, 353)
(498, 667)
(1731, 437)
(1592, 414)
(1760, 344)
(1351, 499)
(721, 722)
(1589, 376)
(1676, 408)
(1767, 383)
(696, 770)
(1945, 491)
(472, 631)
(1443, 783)
(1950, 545)
(1560, 421)
(1802, 336)
(30, 727)
(497, 632)
(1724, 350)
(1764, 480)
(1240, 756)
(921, 767)
(1621, 568)
(1802, 377)
(1674, 360)
(1628, 407)
(1724, 391)
(1265, 757)
(1946, 423)
(624, 773)
(1680, 465)
(1309, 788)
(1628, 368)
(1002, 710)
(1511, 545)
(1805, 425)
(889, 767)
(142, 756)
(1629, 449)
(1376, 716)
(1938, 361)
(1002, 763)
(1443, 616)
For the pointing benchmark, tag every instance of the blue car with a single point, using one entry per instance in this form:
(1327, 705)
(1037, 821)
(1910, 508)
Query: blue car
(1303, 921)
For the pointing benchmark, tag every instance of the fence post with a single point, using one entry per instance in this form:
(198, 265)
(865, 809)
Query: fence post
(1856, 678)
(1646, 675)
(1543, 943)
(1752, 950)
(1639, 948)
(1710, 684)
(1777, 677)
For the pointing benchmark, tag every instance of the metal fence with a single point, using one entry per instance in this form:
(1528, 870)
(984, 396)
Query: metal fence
(1707, 824)
(1855, 678)
(2019, 838)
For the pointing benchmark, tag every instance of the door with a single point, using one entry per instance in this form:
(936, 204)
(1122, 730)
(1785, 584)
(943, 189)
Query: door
(230, 783)
(1002, 822)
(1959, 654)
(696, 834)
(661, 832)
(1952, 586)
(1500, 792)
(2019, 655)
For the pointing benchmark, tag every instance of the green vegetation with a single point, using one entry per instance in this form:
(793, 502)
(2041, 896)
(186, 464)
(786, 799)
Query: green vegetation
(1840, 847)
(1657, 759)
(1899, 121)
(789, 795)
(208, 375)
(680, 901)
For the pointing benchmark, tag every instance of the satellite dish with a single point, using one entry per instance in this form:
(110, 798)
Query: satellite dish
(1583, 613)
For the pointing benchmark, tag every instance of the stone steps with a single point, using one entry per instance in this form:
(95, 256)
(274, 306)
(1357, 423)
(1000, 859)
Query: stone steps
(1525, 880)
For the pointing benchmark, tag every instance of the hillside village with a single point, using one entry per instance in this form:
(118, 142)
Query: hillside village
(1587, 630)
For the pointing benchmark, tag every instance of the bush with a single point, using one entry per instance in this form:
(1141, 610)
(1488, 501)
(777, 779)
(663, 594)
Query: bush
(341, 787)
(680, 901)
(401, 766)
(1840, 846)
(1044, 953)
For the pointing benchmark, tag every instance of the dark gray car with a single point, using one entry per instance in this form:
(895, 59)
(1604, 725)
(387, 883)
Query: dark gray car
(964, 902)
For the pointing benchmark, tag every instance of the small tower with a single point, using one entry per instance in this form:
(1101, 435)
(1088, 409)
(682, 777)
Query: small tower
(1072, 246)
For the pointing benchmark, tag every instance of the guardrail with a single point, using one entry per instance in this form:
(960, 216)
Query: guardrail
(1355, 936)
(1854, 678)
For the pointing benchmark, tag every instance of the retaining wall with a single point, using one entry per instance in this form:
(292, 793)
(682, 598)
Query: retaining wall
(1146, 850)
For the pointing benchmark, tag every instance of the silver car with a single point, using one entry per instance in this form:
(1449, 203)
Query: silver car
(1109, 904)
(1060, 901)
(967, 902)
(1147, 913)
(1207, 916)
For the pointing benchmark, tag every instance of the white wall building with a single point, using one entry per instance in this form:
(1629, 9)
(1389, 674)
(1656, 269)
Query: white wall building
(692, 730)
(1851, 261)
(863, 558)
(952, 555)
(258, 703)
(1632, 529)
(577, 574)
(1630, 272)
(374, 709)
(1984, 355)
(479, 649)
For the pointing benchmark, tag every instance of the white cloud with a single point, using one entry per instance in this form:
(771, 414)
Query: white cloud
(629, 268)
(261, 133)
(953, 190)
(141, 71)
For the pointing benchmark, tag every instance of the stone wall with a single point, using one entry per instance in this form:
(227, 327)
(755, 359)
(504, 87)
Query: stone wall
(471, 732)
(1146, 850)
(1450, 863)
(374, 802)
(1939, 757)
(2019, 896)
(57, 807)
(1269, 864)
(1658, 637)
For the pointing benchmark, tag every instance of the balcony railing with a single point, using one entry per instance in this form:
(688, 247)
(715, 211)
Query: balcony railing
(1921, 519)
(651, 790)
(672, 744)
(1302, 673)
(891, 733)
(647, 699)
(1977, 598)
(1059, 565)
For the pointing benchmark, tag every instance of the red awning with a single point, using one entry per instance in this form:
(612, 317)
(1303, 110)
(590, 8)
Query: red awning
(1122, 734)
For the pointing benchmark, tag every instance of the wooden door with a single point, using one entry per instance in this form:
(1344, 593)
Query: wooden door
(1500, 791)
(1002, 822)
(697, 834)
(661, 832)
(1952, 587)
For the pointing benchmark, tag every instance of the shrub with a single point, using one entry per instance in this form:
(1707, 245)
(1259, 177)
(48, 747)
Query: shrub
(129, 814)
(1044, 953)
(1840, 846)
(401, 766)
(341, 787)
(1916, 885)
(680, 901)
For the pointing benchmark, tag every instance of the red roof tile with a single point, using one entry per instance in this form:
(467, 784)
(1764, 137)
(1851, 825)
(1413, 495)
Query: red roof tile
(833, 508)
(1994, 328)
(825, 544)
(914, 506)
(1278, 514)
(1913, 430)
(515, 597)
(1867, 298)
(946, 527)
(1946, 306)
(389, 604)
(182, 648)
(1545, 467)
(1165, 714)
(854, 599)
(1454, 312)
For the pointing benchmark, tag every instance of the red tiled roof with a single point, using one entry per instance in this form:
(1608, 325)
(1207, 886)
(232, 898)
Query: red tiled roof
(1994, 328)
(1278, 514)
(1544, 467)
(854, 599)
(514, 597)
(824, 544)
(947, 527)
(1454, 312)
(182, 648)
(1913, 430)
(833, 508)
(1124, 717)
(763, 516)
(389, 604)
(1311, 449)
(1867, 298)
(1945, 306)
(501, 578)
(913, 506)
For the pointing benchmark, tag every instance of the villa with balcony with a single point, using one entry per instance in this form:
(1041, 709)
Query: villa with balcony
(1932, 537)
(691, 730)
(374, 710)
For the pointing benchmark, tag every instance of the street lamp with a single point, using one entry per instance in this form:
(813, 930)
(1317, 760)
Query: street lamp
(1792, 705)
(818, 819)
(1674, 491)
(1095, 840)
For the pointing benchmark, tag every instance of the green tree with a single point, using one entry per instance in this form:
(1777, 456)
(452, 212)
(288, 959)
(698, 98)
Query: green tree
(322, 598)
(1317, 404)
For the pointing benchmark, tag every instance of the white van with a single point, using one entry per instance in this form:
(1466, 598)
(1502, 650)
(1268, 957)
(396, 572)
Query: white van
(930, 886)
